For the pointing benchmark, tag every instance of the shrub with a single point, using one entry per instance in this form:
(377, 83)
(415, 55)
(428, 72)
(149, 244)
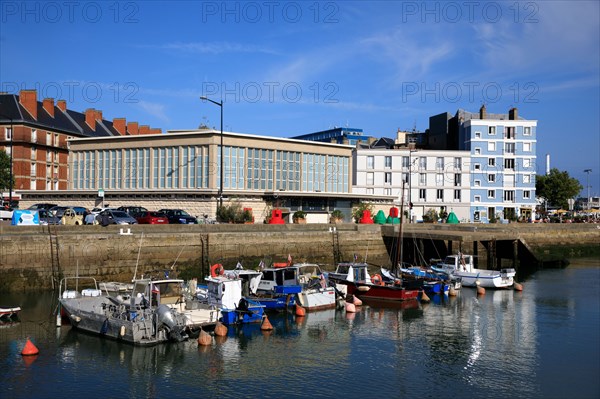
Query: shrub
(299, 215)
(430, 215)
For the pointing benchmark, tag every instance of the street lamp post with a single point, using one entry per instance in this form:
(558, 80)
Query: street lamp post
(220, 104)
(588, 171)
(10, 179)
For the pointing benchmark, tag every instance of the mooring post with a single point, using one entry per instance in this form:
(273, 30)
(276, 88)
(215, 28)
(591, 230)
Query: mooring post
(515, 259)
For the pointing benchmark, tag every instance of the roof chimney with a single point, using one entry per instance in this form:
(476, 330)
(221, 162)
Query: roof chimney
(49, 106)
(90, 118)
(482, 112)
(144, 129)
(62, 105)
(98, 115)
(132, 128)
(155, 130)
(120, 125)
(28, 99)
(513, 115)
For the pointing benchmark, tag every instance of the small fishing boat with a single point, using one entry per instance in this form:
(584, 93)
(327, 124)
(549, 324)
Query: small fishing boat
(354, 279)
(461, 266)
(225, 294)
(154, 311)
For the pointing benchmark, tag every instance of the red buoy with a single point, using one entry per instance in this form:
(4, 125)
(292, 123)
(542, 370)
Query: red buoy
(518, 287)
(220, 329)
(30, 349)
(266, 324)
(204, 339)
(350, 308)
(300, 311)
(480, 290)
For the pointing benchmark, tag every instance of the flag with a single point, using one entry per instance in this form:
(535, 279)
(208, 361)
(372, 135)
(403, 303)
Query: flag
(261, 265)
(355, 258)
(289, 259)
(155, 289)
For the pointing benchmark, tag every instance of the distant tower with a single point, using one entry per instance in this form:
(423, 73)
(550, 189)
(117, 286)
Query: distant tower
(547, 164)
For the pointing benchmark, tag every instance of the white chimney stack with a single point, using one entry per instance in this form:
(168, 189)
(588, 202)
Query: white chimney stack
(547, 164)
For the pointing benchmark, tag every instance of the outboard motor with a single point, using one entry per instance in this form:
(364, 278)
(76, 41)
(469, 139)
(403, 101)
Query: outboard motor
(166, 317)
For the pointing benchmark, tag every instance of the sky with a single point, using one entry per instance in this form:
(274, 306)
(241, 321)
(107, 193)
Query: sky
(290, 68)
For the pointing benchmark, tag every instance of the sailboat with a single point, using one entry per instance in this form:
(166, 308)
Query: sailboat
(354, 279)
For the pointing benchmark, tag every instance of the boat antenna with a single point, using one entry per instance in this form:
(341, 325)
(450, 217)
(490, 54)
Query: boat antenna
(137, 262)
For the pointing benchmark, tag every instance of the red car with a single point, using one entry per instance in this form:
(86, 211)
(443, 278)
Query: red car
(150, 217)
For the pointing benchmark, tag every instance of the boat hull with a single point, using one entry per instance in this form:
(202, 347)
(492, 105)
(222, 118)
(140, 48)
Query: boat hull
(379, 292)
(317, 299)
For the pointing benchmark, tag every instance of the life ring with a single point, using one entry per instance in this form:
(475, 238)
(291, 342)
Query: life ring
(377, 280)
(280, 264)
(217, 270)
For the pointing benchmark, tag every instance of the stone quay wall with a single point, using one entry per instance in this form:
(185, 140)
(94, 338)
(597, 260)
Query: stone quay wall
(34, 257)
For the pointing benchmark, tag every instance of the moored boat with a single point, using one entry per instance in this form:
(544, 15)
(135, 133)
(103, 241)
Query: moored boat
(461, 266)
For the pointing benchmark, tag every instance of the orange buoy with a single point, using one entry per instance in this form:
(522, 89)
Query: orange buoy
(220, 329)
(424, 297)
(518, 287)
(356, 301)
(480, 290)
(350, 308)
(204, 339)
(30, 349)
(266, 324)
(452, 291)
(300, 311)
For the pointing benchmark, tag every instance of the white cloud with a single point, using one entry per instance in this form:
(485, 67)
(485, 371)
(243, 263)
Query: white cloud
(213, 48)
(155, 109)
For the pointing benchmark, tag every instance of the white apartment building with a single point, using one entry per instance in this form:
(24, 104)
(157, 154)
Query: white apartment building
(432, 178)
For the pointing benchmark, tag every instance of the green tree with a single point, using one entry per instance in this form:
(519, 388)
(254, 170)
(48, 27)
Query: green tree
(5, 171)
(557, 187)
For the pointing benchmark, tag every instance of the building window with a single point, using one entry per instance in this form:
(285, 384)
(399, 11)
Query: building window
(405, 162)
(387, 191)
(509, 132)
(477, 151)
(33, 171)
(457, 163)
(33, 152)
(527, 131)
(55, 139)
(387, 178)
(491, 161)
(509, 148)
(477, 183)
(48, 138)
(492, 130)
(369, 191)
(491, 194)
(526, 147)
(456, 195)
(477, 135)
(370, 162)
(491, 146)
(439, 163)
(7, 133)
(526, 162)
(509, 196)
(526, 194)
(422, 179)
(439, 195)
(423, 163)
(404, 177)
(491, 178)
(477, 166)
(422, 194)
(457, 179)
(439, 179)
(509, 163)
(33, 135)
(388, 162)
(370, 179)
(526, 179)
(477, 198)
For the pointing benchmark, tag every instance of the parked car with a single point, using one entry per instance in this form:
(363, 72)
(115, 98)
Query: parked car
(69, 217)
(134, 211)
(46, 217)
(179, 216)
(45, 206)
(150, 217)
(60, 209)
(111, 216)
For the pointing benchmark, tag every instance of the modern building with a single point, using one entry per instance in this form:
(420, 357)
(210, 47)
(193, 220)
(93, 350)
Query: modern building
(35, 135)
(166, 170)
(503, 160)
(339, 135)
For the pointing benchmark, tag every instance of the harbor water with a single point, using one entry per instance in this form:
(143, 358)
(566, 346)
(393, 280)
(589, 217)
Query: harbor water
(543, 342)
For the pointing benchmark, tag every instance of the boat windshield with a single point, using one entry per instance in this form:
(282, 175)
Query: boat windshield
(449, 260)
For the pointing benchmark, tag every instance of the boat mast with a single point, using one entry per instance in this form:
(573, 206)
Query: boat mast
(399, 252)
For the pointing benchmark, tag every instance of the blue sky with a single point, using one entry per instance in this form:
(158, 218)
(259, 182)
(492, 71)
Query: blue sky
(288, 68)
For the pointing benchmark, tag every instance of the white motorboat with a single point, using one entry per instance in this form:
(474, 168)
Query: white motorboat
(461, 265)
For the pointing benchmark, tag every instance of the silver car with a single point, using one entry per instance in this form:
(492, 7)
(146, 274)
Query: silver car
(111, 216)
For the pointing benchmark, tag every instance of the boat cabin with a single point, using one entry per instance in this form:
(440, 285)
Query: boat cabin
(160, 292)
(351, 272)
(280, 280)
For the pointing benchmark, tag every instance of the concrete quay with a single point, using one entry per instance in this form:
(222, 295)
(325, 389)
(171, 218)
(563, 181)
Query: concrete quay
(35, 257)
